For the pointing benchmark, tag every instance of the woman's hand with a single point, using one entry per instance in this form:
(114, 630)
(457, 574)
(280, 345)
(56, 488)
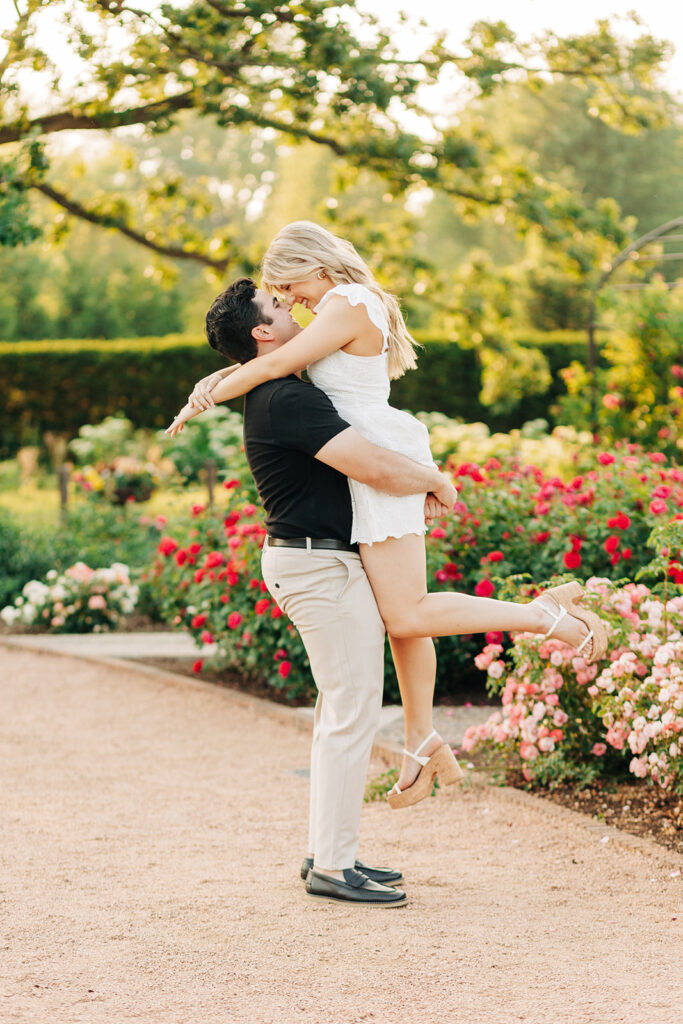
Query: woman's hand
(201, 395)
(187, 412)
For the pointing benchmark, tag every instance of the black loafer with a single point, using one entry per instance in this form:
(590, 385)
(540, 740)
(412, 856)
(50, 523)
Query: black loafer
(356, 888)
(385, 876)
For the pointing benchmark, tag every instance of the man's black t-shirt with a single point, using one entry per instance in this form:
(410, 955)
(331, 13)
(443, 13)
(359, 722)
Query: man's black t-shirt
(286, 423)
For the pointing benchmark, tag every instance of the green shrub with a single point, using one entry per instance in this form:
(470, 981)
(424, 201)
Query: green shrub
(62, 385)
(96, 534)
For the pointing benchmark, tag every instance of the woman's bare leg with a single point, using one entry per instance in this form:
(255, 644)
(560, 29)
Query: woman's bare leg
(415, 663)
(397, 572)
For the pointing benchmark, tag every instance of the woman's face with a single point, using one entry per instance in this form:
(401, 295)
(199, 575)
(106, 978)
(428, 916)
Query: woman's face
(307, 293)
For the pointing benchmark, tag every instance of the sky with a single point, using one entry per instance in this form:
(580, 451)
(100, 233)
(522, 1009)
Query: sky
(664, 18)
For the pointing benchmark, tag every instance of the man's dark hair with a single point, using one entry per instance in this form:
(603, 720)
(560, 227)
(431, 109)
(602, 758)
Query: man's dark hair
(231, 319)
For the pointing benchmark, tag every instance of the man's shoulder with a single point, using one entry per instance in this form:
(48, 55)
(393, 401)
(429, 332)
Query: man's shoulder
(284, 390)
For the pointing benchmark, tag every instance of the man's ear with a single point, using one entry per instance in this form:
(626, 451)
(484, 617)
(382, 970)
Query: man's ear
(261, 333)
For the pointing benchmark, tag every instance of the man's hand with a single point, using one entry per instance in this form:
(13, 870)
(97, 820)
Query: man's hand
(201, 396)
(445, 493)
(434, 509)
(187, 412)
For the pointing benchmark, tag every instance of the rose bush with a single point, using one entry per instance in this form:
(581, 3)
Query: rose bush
(511, 522)
(80, 600)
(207, 579)
(514, 521)
(565, 720)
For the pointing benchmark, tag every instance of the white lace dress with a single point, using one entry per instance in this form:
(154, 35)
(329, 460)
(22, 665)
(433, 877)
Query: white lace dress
(358, 387)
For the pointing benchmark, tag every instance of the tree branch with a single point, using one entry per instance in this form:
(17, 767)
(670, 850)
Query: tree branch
(68, 121)
(102, 220)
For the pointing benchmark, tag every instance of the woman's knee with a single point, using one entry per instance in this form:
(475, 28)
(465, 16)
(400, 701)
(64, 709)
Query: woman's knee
(400, 622)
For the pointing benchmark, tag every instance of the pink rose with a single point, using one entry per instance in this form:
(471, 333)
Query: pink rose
(97, 602)
(599, 749)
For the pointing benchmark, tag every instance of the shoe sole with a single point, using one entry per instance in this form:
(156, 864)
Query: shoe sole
(379, 881)
(358, 903)
(442, 764)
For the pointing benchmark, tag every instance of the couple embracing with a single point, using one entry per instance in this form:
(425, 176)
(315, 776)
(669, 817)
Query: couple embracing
(348, 484)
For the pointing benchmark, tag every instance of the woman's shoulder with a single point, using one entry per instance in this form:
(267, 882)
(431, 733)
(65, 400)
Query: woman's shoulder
(356, 294)
(359, 295)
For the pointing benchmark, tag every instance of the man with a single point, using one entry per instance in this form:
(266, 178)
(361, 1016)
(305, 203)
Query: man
(300, 453)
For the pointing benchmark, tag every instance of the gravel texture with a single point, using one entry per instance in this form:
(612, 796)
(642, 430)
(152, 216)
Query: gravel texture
(152, 831)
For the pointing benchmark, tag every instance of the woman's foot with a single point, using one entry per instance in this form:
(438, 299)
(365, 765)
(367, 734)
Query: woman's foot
(410, 768)
(570, 630)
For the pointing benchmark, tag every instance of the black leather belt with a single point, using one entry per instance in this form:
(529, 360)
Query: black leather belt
(313, 542)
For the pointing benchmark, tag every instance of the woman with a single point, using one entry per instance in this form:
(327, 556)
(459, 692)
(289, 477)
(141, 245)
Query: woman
(357, 342)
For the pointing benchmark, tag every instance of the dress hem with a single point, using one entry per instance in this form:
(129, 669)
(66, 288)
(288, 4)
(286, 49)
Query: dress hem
(389, 536)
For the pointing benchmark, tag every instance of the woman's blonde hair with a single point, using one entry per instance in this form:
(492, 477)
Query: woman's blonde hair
(302, 249)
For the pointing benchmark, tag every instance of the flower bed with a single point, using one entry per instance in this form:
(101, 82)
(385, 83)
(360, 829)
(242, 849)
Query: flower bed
(208, 580)
(570, 721)
(512, 523)
(81, 600)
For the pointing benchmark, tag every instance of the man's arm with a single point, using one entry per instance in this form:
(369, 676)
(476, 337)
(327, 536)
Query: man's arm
(351, 454)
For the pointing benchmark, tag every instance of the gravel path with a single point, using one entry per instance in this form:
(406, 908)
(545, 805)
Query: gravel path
(152, 831)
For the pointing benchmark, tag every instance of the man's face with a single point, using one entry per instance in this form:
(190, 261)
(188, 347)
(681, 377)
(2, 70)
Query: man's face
(283, 327)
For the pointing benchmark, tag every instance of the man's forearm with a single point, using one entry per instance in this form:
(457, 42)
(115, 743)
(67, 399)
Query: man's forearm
(353, 455)
(399, 475)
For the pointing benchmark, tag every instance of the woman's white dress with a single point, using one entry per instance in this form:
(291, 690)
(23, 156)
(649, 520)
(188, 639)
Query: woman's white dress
(358, 387)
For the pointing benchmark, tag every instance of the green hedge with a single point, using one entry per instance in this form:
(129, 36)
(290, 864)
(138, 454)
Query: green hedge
(61, 385)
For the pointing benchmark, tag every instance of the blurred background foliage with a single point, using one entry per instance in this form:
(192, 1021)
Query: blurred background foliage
(185, 135)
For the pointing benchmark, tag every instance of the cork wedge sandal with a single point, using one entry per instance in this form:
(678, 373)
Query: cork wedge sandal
(568, 597)
(442, 763)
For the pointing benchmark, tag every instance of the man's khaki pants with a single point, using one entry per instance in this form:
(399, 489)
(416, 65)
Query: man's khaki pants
(328, 597)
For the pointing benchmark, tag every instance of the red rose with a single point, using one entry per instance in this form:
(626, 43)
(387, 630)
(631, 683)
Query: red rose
(198, 621)
(198, 665)
(167, 546)
(626, 553)
(206, 637)
(541, 538)
(194, 548)
(441, 575)
(261, 605)
(494, 637)
(284, 668)
(658, 507)
(484, 588)
(615, 558)
(199, 575)
(181, 557)
(496, 556)
(230, 484)
(611, 544)
(605, 459)
(197, 509)
(572, 559)
(212, 559)
(275, 612)
(234, 620)
(437, 533)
